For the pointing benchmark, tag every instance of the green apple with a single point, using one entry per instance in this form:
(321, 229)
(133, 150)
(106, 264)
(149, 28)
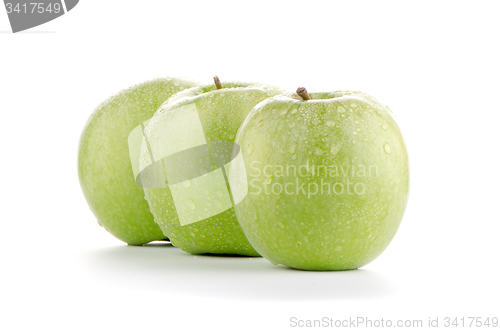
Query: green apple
(327, 179)
(104, 166)
(190, 139)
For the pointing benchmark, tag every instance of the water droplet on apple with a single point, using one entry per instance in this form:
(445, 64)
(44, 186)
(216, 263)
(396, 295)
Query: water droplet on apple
(219, 193)
(204, 171)
(259, 123)
(387, 148)
(294, 156)
(354, 142)
(384, 127)
(341, 109)
(318, 152)
(292, 148)
(355, 132)
(186, 183)
(335, 148)
(191, 205)
(330, 124)
(250, 149)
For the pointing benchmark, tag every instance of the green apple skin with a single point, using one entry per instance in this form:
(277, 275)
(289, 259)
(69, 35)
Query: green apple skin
(329, 230)
(221, 113)
(104, 167)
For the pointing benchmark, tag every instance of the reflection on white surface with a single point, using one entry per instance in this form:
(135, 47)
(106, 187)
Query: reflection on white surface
(164, 268)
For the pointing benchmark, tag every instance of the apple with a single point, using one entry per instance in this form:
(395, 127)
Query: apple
(104, 166)
(327, 178)
(186, 152)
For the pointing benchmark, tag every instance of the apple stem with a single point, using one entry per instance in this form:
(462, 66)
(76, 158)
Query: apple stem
(302, 92)
(217, 82)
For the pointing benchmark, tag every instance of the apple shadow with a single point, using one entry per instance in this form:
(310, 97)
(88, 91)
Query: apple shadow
(163, 268)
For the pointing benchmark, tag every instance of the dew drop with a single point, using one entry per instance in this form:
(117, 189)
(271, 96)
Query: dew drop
(293, 148)
(330, 124)
(186, 183)
(354, 142)
(259, 123)
(219, 193)
(384, 127)
(191, 205)
(318, 152)
(387, 148)
(341, 109)
(335, 148)
(250, 149)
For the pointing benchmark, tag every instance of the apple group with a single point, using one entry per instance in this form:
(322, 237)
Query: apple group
(312, 181)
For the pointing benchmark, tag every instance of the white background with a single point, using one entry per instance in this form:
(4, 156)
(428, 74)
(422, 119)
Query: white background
(436, 64)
